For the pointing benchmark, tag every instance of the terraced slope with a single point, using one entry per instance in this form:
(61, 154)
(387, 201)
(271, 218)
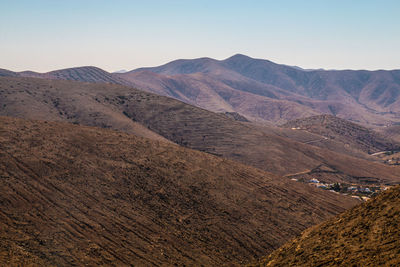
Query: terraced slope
(74, 195)
(346, 132)
(82, 74)
(392, 132)
(124, 108)
(366, 235)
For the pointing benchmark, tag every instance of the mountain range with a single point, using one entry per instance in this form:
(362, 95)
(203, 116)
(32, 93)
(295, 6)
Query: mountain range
(259, 90)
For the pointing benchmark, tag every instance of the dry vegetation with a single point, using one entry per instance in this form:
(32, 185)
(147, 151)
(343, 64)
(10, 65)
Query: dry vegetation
(367, 235)
(75, 195)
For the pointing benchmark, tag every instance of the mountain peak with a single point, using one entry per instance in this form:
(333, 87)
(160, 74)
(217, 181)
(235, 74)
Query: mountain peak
(238, 57)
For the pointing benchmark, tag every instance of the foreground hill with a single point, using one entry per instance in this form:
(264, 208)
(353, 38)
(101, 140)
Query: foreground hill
(367, 235)
(123, 108)
(74, 195)
(348, 133)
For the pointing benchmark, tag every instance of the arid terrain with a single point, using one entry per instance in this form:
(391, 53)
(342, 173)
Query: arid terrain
(366, 235)
(348, 133)
(157, 117)
(199, 133)
(75, 195)
(198, 162)
(258, 89)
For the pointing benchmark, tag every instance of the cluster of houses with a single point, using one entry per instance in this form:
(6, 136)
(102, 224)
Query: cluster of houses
(356, 191)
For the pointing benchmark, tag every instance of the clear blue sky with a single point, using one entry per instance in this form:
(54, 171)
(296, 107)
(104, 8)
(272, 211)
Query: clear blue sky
(44, 35)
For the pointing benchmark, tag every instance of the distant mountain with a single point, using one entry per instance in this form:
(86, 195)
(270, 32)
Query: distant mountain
(157, 117)
(265, 91)
(367, 235)
(348, 133)
(83, 196)
(259, 90)
(8, 73)
(83, 74)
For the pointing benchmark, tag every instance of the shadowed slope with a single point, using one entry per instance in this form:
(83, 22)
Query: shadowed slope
(74, 195)
(367, 235)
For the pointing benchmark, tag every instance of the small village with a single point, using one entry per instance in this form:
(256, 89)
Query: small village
(362, 192)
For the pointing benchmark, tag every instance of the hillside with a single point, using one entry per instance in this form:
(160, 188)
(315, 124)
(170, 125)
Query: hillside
(64, 101)
(133, 111)
(392, 132)
(75, 195)
(366, 235)
(345, 132)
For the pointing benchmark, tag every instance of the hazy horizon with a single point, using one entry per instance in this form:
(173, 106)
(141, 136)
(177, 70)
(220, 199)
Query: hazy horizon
(47, 35)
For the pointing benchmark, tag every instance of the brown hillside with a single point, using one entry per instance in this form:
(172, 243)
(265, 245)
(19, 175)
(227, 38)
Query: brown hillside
(392, 132)
(346, 132)
(367, 235)
(74, 195)
(123, 108)
(64, 101)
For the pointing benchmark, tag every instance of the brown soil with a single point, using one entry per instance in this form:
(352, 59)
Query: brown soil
(366, 235)
(75, 195)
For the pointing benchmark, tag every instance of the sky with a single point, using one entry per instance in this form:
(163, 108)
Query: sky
(45, 35)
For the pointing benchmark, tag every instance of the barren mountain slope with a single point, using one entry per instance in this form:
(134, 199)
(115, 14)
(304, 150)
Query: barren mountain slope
(64, 101)
(115, 106)
(259, 89)
(75, 195)
(366, 235)
(82, 74)
(392, 132)
(346, 132)
(314, 139)
(217, 95)
(368, 97)
(214, 133)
